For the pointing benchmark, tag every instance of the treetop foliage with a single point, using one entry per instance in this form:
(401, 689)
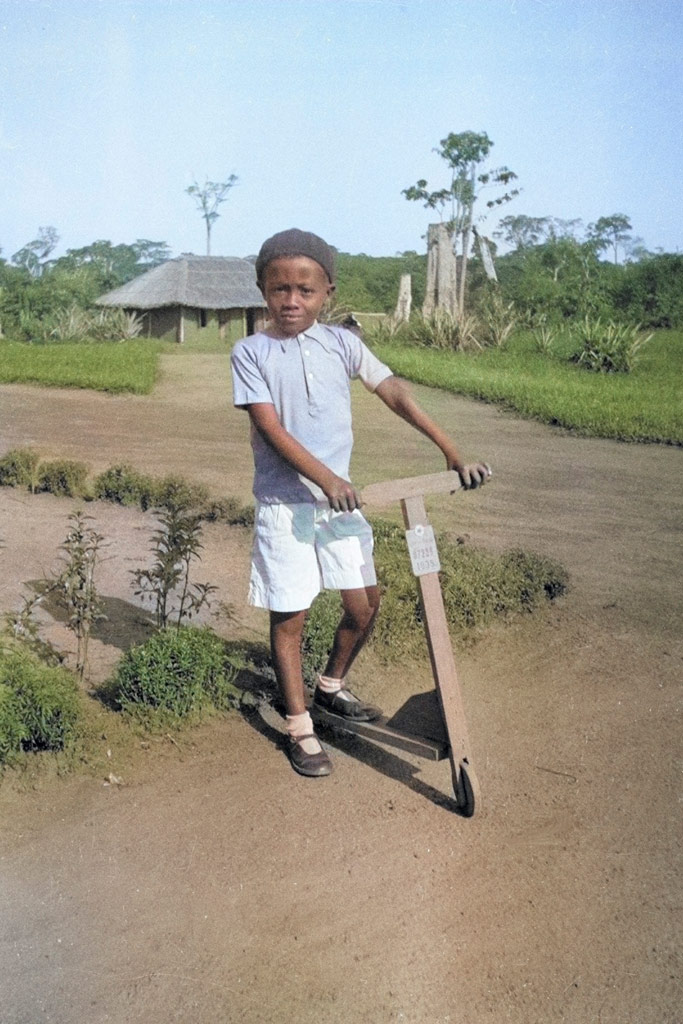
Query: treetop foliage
(208, 198)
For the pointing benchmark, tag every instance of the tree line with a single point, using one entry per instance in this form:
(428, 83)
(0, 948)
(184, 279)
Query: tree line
(555, 270)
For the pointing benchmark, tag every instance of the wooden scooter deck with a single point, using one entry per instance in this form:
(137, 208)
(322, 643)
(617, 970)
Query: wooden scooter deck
(417, 727)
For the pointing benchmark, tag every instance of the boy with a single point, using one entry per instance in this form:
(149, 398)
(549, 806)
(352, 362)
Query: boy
(293, 379)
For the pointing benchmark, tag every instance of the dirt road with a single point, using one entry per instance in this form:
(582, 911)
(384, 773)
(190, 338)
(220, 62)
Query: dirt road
(217, 886)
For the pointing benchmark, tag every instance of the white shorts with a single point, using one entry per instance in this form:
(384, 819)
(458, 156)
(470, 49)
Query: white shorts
(301, 549)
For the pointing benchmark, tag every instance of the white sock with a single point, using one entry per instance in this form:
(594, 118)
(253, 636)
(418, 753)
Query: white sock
(328, 685)
(302, 725)
(335, 686)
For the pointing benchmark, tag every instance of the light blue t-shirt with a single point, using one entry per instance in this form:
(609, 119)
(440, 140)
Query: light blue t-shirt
(307, 378)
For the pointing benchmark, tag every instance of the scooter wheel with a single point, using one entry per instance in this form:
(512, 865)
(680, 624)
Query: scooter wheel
(466, 790)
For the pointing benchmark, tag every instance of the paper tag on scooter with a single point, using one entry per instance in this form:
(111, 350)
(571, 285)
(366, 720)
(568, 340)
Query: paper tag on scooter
(424, 556)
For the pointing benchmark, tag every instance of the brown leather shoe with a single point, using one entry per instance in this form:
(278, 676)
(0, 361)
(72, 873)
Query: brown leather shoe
(353, 708)
(313, 765)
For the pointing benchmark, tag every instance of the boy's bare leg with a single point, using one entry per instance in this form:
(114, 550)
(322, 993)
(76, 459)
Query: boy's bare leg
(360, 611)
(286, 629)
(305, 750)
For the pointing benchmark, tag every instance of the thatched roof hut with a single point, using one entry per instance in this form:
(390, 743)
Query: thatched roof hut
(191, 294)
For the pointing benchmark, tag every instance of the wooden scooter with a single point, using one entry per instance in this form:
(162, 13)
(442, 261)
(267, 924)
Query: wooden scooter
(443, 721)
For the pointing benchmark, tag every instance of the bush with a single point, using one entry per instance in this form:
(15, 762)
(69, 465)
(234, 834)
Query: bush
(444, 330)
(43, 707)
(319, 631)
(12, 728)
(63, 477)
(72, 324)
(477, 587)
(18, 468)
(228, 510)
(124, 485)
(610, 347)
(175, 494)
(176, 672)
(497, 317)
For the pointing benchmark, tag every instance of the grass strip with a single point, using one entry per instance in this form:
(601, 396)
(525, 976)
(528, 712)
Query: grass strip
(124, 366)
(643, 405)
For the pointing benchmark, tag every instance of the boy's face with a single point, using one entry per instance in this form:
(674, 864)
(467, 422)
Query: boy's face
(295, 289)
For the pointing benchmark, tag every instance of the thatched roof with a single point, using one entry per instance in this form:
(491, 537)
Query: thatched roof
(203, 282)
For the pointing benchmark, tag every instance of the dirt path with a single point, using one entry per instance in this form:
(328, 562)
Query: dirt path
(216, 886)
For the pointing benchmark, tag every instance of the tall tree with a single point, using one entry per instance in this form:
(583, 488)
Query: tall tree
(464, 153)
(208, 198)
(610, 231)
(524, 232)
(33, 255)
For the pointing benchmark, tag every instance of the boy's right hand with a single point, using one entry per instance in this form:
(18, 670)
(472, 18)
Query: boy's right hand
(342, 495)
(473, 475)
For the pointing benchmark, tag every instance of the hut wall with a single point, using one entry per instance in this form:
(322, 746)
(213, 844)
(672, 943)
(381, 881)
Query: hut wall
(161, 323)
(215, 325)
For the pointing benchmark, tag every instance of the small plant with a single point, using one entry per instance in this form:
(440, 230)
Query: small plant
(23, 627)
(609, 347)
(39, 705)
(19, 467)
(545, 336)
(444, 330)
(175, 546)
(74, 587)
(498, 319)
(63, 478)
(176, 672)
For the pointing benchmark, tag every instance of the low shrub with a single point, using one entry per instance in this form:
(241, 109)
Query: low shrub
(175, 494)
(477, 588)
(13, 731)
(63, 477)
(498, 319)
(544, 337)
(319, 631)
(228, 510)
(124, 485)
(42, 710)
(444, 330)
(176, 673)
(609, 347)
(72, 324)
(18, 468)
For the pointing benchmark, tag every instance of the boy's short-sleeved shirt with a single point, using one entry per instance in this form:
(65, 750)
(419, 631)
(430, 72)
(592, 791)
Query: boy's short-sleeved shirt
(307, 378)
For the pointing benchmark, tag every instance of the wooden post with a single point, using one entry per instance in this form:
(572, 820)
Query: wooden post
(443, 668)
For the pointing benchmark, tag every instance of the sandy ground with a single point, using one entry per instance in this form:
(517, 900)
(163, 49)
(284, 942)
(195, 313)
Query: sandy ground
(215, 885)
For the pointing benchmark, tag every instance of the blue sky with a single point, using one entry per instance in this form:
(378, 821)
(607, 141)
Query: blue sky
(325, 110)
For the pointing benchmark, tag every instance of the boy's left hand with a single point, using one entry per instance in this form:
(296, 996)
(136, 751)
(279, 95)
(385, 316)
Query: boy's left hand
(476, 474)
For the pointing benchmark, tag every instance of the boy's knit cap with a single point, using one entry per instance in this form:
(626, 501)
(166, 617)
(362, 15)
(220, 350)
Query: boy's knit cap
(294, 242)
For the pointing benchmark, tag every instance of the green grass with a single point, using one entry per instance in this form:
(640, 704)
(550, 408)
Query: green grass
(124, 366)
(644, 405)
